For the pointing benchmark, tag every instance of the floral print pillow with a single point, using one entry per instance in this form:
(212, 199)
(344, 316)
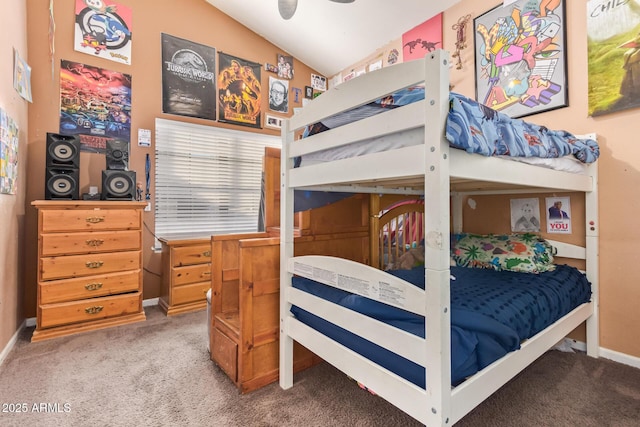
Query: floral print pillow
(528, 252)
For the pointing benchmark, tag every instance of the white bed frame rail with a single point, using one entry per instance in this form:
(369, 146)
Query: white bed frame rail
(434, 169)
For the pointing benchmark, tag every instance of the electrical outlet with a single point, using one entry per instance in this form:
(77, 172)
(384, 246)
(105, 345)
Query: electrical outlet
(148, 207)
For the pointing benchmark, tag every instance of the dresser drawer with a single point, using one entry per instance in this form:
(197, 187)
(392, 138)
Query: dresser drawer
(190, 274)
(190, 293)
(190, 255)
(87, 310)
(101, 241)
(89, 287)
(89, 219)
(88, 264)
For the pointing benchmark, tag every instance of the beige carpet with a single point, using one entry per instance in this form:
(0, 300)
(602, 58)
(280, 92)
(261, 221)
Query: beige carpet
(158, 373)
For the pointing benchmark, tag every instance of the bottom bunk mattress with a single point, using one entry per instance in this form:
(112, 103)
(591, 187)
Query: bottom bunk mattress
(492, 312)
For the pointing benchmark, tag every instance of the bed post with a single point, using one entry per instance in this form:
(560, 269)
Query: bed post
(437, 229)
(592, 264)
(286, 252)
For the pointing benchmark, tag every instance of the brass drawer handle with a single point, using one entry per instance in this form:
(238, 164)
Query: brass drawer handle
(95, 242)
(95, 219)
(206, 273)
(94, 310)
(93, 286)
(207, 254)
(94, 264)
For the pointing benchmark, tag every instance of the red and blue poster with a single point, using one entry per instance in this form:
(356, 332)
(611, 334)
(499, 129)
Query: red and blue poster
(421, 40)
(95, 104)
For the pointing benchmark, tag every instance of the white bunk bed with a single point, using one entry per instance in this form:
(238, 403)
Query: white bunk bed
(442, 174)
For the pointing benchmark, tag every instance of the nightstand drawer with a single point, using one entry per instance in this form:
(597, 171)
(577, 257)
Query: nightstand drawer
(191, 274)
(87, 310)
(74, 243)
(190, 293)
(89, 219)
(88, 287)
(88, 264)
(191, 255)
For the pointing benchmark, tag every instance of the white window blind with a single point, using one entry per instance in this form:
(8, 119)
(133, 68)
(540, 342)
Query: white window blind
(207, 179)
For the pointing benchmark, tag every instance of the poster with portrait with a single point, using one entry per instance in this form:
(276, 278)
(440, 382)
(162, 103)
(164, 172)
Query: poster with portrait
(278, 95)
(613, 46)
(525, 215)
(8, 153)
(424, 38)
(103, 29)
(520, 57)
(188, 78)
(95, 104)
(558, 215)
(239, 91)
(318, 82)
(285, 66)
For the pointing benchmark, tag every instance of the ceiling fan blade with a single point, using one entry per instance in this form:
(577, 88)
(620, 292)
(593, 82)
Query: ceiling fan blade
(342, 1)
(287, 8)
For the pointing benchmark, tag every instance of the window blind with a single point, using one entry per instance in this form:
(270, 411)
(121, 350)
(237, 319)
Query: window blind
(207, 179)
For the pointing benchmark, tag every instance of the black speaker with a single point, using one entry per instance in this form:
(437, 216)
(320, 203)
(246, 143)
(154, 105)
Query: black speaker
(63, 161)
(62, 184)
(117, 154)
(118, 185)
(63, 151)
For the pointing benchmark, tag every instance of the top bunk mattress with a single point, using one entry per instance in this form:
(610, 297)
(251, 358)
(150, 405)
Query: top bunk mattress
(470, 126)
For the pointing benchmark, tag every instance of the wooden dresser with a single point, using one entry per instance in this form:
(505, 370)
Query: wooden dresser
(89, 266)
(186, 273)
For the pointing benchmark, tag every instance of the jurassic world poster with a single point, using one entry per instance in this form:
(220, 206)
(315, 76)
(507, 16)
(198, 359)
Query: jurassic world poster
(188, 78)
(239, 91)
(613, 29)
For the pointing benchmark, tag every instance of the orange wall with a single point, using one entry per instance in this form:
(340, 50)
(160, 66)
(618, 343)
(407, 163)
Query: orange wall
(619, 179)
(194, 20)
(13, 23)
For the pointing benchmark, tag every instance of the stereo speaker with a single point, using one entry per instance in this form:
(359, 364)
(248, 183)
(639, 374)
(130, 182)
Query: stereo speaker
(117, 154)
(62, 178)
(63, 151)
(62, 184)
(118, 185)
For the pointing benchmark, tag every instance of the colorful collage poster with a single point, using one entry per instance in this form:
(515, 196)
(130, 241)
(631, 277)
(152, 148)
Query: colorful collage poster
(613, 47)
(95, 104)
(103, 29)
(188, 78)
(520, 57)
(239, 91)
(8, 153)
(421, 40)
(21, 76)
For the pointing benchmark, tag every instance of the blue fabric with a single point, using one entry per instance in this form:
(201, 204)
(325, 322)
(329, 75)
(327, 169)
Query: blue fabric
(476, 128)
(491, 313)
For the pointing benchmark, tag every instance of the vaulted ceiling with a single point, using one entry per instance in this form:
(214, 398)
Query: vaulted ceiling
(329, 36)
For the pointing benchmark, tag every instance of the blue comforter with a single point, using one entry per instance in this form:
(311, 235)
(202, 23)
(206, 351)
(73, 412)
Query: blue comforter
(492, 312)
(475, 128)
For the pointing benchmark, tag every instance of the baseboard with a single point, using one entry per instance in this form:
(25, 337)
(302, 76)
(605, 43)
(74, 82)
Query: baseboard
(12, 342)
(605, 353)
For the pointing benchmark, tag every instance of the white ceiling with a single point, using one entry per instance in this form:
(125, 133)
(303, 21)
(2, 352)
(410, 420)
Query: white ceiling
(328, 36)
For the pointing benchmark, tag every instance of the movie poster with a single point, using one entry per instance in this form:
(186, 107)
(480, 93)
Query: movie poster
(188, 78)
(95, 104)
(103, 29)
(239, 92)
(8, 153)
